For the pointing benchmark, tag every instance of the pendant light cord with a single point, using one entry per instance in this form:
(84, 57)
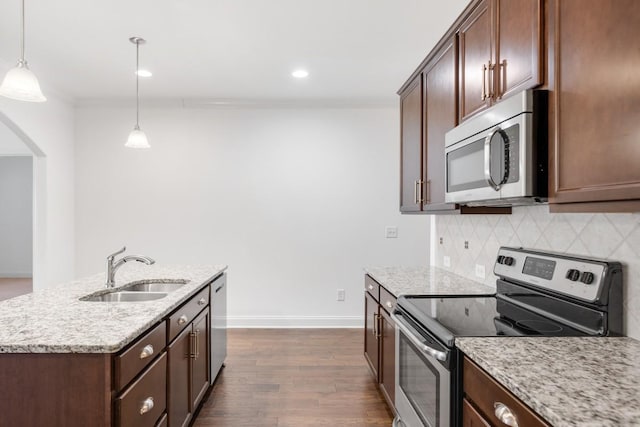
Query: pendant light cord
(22, 38)
(137, 84)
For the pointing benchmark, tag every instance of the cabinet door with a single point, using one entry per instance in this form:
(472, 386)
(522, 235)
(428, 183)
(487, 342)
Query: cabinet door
(200, 368)
(519, 36)
(371, 333)
(411, 146)
(595, 146)
(388, 357)
(475, 44)
(179, 380)
(440, 117)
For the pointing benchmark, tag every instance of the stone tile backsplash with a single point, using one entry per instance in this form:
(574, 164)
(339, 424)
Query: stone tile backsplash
(608, 236)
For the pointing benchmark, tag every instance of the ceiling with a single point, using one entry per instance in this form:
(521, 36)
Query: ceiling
(354, 50)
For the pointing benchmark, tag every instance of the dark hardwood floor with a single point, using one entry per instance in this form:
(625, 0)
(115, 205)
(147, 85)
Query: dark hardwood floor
(295, 377)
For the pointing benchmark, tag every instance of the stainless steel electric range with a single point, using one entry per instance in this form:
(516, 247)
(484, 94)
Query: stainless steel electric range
(538, 294)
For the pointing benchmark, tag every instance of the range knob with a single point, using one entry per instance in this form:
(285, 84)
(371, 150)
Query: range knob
(500, 259)
(587, 278)
(508, 261)
(573, 275)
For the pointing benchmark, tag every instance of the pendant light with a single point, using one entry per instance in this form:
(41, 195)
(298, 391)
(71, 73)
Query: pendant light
(20, 83)
(137, 138)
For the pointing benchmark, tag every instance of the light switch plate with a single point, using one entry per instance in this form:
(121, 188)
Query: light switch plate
(480, 271)
(391, 232)
(340, 295)
(446, 261)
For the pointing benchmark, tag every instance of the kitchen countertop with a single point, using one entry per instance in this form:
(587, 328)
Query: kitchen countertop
(54, 320)
(591, 381)
(425, 281)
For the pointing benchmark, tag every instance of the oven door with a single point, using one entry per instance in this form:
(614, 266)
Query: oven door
(423, 377)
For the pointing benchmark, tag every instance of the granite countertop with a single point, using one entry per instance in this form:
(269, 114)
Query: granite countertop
(592, 381)
(425, 281)
(54, 320)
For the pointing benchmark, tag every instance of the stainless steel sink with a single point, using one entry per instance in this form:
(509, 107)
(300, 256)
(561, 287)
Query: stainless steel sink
(125, 297)
(155, 286)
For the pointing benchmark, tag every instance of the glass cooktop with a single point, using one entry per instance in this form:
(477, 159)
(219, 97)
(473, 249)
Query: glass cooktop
(449, 317)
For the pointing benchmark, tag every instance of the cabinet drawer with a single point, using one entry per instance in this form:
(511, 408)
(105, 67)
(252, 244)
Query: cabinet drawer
(144, 402)
(164, 421)
(486, 394)
(133, 360)
(471, 417)
(185, 314)
(372, 287)
(387, 301)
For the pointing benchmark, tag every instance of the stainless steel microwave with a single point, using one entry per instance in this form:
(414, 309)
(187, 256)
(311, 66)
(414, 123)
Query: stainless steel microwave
(499, 157)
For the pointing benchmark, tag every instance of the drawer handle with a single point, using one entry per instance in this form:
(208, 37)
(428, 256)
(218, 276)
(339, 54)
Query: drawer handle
(389, 304)
(146, 351)
(370, 287)
(202, 301)
(182, 320)
(504, 414)
(147, 405)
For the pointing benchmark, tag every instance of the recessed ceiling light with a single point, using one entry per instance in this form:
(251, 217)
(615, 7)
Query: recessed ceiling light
(144, 73)
(300, 74)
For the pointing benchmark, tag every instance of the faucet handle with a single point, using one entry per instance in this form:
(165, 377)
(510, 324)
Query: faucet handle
(113, 255)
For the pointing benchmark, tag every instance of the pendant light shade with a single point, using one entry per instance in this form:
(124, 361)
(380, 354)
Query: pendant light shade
(20, 83)
(137, 138)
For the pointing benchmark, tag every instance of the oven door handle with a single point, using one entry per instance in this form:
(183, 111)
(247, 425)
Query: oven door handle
(412, 334)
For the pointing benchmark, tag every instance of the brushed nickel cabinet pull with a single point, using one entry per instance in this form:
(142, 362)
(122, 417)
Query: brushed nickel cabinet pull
(146, 351)
(202, 301)
(147, 405)
(389, 304)
(375, 325)
(428, 191)
(197, 340)
(415, 192)
(490, 71)
(484, 82)
(504, 414)
(503, 78)
(192, 345)
(370, 287)
(378, 319)
(182, 320)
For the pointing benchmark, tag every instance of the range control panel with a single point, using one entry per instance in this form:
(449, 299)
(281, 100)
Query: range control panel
(580, 278)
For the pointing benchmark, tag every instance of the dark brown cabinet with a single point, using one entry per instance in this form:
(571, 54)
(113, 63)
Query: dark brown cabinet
(411, 147)
(188, 369)
(499, 52)
(595, 115)
(371, 332)
(428, 109)
(487, 403)
(379, 338)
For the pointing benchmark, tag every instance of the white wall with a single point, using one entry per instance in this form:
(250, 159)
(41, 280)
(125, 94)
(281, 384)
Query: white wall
(16, 228)
(295, 201)
(48, 130)
(608, 236)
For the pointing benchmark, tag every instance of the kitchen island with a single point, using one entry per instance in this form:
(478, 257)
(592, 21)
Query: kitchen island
(143, 363)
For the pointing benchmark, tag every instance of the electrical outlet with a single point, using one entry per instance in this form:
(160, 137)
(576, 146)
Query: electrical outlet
(340, 295)
(391, 232)
(480, 271)
(446, 261)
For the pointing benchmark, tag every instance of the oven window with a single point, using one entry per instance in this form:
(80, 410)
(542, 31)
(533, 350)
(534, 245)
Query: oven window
(420, 382)
(465, 167)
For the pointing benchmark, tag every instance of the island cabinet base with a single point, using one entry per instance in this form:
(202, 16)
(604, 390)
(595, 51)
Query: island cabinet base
(55, 390)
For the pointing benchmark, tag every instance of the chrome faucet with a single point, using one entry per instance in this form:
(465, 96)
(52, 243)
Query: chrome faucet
(112, 266)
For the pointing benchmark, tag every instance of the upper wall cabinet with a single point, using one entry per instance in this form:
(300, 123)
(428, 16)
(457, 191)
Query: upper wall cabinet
(499, 52)
(595, 117)
(428, 110)
(411, 147)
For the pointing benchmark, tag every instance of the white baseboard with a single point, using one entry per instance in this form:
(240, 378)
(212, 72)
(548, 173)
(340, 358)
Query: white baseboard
(16, 275)
(295, 322)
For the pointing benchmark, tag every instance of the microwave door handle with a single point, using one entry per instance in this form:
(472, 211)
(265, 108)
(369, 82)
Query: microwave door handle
(412, 334)
(487, 160)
